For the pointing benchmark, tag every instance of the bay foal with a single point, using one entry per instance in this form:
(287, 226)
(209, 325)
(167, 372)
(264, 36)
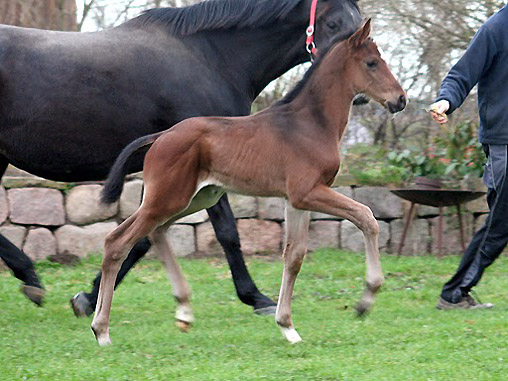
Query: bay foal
(289, 150)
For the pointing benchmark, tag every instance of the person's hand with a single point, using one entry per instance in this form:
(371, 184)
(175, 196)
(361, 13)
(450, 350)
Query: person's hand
(438, 111)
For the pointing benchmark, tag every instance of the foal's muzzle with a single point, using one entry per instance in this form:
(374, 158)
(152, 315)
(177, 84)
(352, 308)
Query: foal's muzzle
(398, 105)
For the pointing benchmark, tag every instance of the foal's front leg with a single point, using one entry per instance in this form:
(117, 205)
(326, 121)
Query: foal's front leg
(325, 200)
(181, 289)
(223, 222)
(297, 228)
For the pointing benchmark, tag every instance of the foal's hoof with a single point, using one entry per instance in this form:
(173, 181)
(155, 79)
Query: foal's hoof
(35, 294)
(81, 305)
(290, 334)
(183, 317)
(183, 326)
(265, 311)
(102, 339)
(362, 309)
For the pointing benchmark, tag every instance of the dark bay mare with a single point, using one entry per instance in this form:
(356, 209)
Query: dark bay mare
(289, 150)
(69, 102)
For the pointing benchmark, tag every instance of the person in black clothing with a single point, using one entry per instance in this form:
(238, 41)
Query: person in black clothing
(484, 63)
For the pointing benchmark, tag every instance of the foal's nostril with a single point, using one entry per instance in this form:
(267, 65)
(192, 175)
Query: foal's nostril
(402, 101)
(397, 105)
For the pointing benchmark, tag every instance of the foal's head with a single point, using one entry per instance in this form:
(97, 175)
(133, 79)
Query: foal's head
(369, 73)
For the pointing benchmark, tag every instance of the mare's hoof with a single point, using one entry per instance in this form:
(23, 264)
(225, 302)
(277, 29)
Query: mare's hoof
(183, 326)
(290, 334)
(35, 294)
(81, 305)
(362, 309)
(262, 304)
(265, 311)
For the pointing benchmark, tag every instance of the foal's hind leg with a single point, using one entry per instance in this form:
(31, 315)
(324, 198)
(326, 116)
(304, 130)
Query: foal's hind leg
(323, 199)
(83, 304)
(204, 198)
(117, 244)
(181, 290)
(297, 227)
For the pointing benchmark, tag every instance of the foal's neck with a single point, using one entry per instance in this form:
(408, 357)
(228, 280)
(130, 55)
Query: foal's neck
(327, 96)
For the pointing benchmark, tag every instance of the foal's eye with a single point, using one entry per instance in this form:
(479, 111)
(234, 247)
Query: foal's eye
(371, 64)
(332, 25)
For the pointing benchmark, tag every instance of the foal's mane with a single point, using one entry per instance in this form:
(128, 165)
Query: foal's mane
(293, 93)
(216, 14)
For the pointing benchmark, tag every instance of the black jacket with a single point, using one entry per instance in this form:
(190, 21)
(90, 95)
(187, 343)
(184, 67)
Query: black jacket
(486, 63)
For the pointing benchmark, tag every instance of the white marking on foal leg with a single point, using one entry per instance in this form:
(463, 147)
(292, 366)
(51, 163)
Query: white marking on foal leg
(184, 313)
(297, 226)
(205, 196)
(100, 324)
(114, 253)
(373, 273)
(103, 339)
(181, 290)
(184, 317)
(290, 334)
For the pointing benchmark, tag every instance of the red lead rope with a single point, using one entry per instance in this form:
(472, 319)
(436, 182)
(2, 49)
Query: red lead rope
(309, 43)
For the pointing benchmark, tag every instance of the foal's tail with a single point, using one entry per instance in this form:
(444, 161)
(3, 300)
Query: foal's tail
(114, 183)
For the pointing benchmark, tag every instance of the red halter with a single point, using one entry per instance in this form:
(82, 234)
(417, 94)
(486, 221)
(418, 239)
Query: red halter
(309, 42)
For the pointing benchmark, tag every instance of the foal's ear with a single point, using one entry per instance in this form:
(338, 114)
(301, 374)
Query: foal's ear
(361, 35)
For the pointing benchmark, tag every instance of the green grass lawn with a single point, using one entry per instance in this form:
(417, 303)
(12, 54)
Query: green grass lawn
(404, 338)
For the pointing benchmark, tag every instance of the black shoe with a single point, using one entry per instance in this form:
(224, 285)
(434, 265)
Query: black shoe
(467, 302)
(477, 304)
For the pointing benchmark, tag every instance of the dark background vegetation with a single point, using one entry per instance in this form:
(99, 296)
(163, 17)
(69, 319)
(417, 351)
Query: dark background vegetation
(421, 40)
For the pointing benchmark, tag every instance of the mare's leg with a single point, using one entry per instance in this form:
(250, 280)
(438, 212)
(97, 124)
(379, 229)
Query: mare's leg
(20, 264)
(23, 268)
(224, 224)
(325, 200)
(181, 290)
(117, 244)
(297, 228)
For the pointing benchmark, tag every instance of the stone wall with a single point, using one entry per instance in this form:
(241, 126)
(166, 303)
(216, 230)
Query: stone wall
(46, 218)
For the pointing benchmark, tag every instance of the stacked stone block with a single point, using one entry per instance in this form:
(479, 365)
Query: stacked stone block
(47, 218)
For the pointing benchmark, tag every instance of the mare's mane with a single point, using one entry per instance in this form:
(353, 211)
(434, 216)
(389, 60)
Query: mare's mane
(215, 15)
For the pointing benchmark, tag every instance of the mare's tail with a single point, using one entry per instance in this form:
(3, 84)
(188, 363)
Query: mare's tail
(114, 183)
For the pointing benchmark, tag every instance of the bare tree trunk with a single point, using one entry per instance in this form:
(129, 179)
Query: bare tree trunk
(43, 14)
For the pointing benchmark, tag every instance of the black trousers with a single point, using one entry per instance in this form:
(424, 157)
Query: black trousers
(489, 242)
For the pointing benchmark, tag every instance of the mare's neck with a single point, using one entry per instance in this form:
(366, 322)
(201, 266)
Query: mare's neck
(327, 96)
(252, 58)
